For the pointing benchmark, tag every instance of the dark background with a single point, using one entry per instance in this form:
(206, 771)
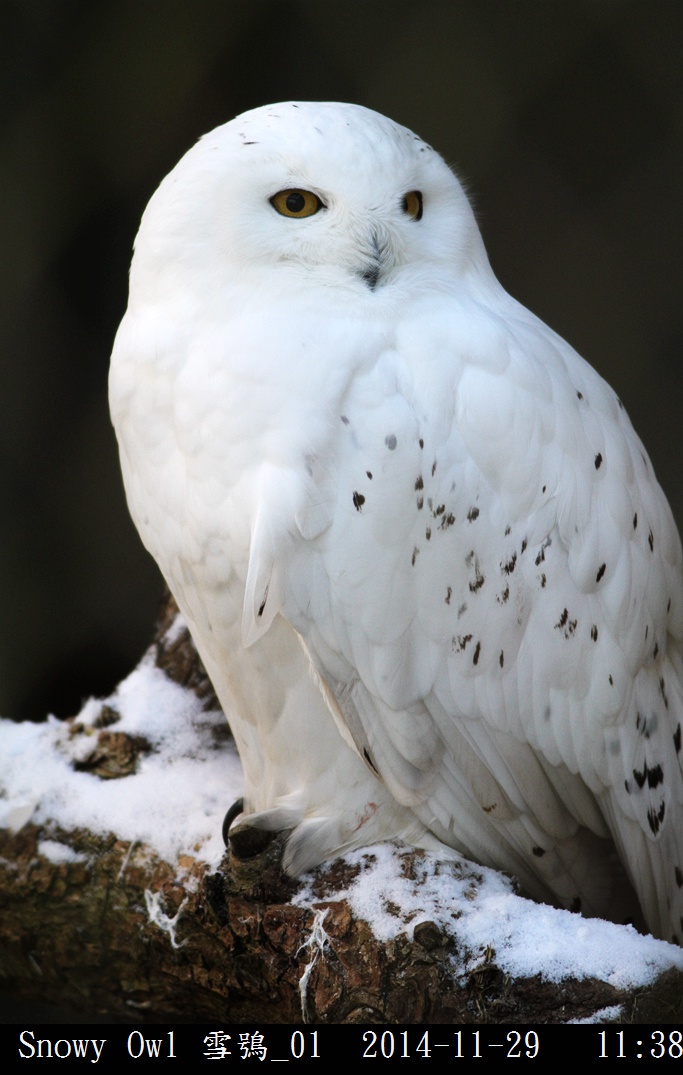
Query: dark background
(563, 117)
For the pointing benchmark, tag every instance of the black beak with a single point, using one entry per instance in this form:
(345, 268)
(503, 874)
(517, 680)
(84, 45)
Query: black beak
(374, 270)
(371, 276)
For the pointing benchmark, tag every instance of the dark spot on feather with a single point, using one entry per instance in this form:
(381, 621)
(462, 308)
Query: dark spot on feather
(439, 511)
(655, 820)
(598, 461)
(677, 739)
(655, 651)
(640, 778)
(611, 681)
(507, 530)
(539, 852)
(503, 597)
(601, 572)
(501, 659)
(428, 533)
(662, 691)
(420, 503)
(478, 581)
(579, 394)
(635, 520)
(460, 643)
(433, 468)
(369, 474)
(366, 755)
(509, 567)
(358, 501)
(477, 651)
(647, 630)
(449, 594)
(650, 725)
(462, 609)
(679, 876)
(415, 555)
(543, 581)
(344, 419)
(421, 443)
(668, 606)
(594, 633)
(472, 514)
(651, 541)
(524, 545)
(419, 484)
(655, 777)
(541, 552)
(566, 625)
(390, 442)
(447, 521)
(628, 787)
(575, 905)
(263, 603)
(544, 488)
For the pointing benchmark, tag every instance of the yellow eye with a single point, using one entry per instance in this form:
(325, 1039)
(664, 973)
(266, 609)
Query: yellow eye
(412, 204)
(296, 203)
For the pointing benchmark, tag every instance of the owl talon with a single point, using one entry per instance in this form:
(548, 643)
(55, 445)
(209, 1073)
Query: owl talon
(247, 841)
(234, 811)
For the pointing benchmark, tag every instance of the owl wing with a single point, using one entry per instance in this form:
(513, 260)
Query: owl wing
(487, 578)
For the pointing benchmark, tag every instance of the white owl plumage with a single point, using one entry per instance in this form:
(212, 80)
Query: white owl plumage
(420, 549)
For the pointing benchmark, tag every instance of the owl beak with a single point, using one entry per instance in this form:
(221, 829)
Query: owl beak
(371, 276)
(376, 262)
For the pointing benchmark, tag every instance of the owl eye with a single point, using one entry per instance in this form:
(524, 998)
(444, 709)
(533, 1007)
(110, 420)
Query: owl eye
(296, 203)
(412, 204)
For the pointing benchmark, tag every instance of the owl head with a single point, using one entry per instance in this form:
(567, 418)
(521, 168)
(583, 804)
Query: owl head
(301, 194)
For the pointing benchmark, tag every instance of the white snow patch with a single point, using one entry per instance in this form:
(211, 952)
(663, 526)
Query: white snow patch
(478, 907)
(604, 1015)
(174, 803)
(58, 853)
(175, 630)
(14, 816)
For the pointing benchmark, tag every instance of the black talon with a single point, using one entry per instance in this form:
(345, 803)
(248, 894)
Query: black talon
(247, 841)
(234, 811)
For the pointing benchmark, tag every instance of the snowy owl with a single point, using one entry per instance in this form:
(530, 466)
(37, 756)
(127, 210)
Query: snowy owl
(420, 549)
